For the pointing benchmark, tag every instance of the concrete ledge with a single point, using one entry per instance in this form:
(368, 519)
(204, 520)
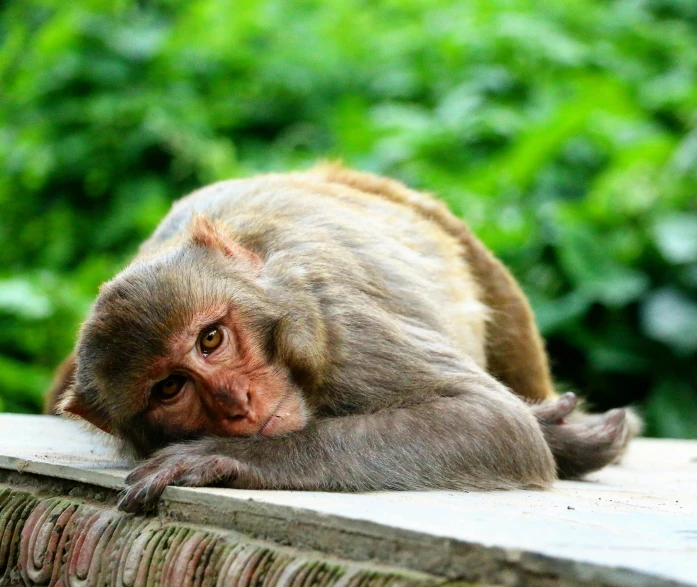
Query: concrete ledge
(635, 524)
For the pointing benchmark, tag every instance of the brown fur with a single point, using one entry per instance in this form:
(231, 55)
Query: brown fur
(395, 333)
(62, 379)
(515, 352)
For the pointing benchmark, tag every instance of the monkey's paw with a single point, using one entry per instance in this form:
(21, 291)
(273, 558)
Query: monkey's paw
(582, 443)
(189, 465)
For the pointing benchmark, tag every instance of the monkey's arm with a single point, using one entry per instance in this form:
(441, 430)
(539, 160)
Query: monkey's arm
(486, 439)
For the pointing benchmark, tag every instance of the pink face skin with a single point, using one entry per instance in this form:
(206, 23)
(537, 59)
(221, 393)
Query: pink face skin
(227, 391)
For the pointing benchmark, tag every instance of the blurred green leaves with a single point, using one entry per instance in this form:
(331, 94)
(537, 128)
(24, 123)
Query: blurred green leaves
(20, 298)
(670, 317)
(676, 238)
(566, 134)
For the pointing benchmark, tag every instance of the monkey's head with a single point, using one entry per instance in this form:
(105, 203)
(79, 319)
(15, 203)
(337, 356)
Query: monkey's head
(190, 342)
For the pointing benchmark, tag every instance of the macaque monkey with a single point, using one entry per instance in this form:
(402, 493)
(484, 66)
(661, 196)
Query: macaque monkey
(326, 330)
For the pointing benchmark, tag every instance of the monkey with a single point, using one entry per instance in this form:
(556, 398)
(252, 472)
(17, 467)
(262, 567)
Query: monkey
(62, 379)
(330, 330)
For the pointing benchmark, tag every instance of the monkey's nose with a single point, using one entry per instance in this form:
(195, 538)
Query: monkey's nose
(235, 398)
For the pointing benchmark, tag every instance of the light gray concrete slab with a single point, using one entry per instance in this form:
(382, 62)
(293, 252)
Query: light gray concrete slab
(641, 515)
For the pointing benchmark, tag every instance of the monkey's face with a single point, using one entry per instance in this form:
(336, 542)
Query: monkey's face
(217, 379)
(182, 346)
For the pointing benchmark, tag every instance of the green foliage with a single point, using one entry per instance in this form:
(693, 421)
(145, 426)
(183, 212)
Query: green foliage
(564, 132)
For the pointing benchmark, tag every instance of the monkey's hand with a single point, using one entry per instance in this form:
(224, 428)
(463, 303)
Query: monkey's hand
(582, 443)
(190, 464)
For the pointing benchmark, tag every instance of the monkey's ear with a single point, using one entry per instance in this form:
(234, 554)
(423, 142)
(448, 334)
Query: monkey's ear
(71, 403)
(204, 232)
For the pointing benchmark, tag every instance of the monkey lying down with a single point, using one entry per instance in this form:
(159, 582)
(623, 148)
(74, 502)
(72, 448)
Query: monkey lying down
(327, 330)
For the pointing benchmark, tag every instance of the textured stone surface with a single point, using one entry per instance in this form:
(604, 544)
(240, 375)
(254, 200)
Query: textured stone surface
(634, 524)
(56, 541)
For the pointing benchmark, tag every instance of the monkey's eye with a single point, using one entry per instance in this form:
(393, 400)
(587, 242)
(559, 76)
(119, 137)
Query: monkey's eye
(169, 387)
(210, 339)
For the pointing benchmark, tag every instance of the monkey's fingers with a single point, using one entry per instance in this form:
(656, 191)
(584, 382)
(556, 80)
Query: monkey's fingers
(151, 479)
(555, 411)
(143, 496)
(178, 459)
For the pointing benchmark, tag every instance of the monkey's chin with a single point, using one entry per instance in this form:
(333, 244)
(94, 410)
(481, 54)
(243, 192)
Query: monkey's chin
(270, 428)
(289, 416)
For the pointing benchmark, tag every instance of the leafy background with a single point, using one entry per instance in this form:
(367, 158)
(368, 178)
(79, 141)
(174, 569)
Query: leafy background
(565, 132)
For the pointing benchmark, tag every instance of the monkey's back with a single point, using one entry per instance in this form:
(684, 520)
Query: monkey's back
(356, 237)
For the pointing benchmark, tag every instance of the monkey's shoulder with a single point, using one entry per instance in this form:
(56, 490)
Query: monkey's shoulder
(325, 199)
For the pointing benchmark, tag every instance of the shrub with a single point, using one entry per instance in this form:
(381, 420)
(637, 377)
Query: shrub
(564, 133)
